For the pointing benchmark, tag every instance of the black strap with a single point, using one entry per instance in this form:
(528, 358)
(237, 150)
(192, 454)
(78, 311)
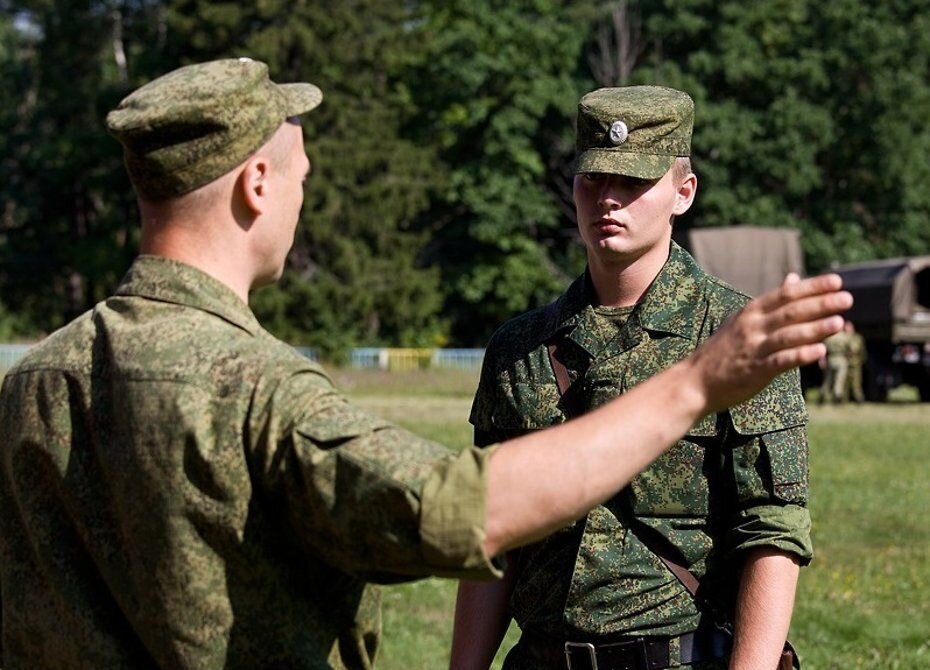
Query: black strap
(685, 576)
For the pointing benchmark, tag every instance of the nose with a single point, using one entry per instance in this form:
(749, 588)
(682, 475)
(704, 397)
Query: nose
(607, 197)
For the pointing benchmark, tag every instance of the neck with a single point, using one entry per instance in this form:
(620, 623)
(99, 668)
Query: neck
(622, 283)
(205, 252)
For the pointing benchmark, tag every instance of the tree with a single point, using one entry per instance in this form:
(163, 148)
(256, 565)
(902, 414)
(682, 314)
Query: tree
(496, 93)
(807, 117)
(354, 276)
(68, 219)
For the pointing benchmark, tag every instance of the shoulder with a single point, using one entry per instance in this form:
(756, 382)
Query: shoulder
(66, 349)
(723, 300)
(521, 335)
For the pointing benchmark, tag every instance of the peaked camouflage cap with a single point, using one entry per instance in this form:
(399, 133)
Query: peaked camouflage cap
(195, 124)
(636, 131)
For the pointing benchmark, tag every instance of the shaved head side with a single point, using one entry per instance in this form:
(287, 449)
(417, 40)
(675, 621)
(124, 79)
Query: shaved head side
(190, 206)
(279, 147)
(681, 168)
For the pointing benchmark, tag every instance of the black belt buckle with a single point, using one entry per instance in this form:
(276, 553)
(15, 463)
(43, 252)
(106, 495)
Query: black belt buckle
(592, 653)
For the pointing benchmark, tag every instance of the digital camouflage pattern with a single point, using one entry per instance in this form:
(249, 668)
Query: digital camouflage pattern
(737, 480)
(179, 489)
(636, 131)
(195, 124)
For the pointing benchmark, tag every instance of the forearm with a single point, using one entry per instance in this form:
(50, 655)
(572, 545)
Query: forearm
(542, 481)
(591, 458)
(763, 609)
(480, 621)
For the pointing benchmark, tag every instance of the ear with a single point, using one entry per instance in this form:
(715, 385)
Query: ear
(254, 184)
(687, 189)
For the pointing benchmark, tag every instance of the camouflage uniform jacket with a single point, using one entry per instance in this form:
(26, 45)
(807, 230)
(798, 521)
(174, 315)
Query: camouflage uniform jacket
(179, 489)
(737, 480)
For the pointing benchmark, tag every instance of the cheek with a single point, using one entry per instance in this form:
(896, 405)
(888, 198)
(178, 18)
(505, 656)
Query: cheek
(582, 194)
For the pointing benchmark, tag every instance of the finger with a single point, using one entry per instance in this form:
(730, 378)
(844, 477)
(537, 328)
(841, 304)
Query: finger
(791, 278)
(803, 288)
(795, 357)
(809, 309)
(809, 332)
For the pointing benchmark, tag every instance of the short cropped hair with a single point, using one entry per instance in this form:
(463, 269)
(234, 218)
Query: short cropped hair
(681, 168)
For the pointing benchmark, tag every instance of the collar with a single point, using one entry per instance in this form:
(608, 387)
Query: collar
(171, 281)
(667, 306)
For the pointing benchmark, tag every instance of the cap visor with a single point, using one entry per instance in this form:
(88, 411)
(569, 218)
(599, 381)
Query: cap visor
(301, 98)
(611, 161)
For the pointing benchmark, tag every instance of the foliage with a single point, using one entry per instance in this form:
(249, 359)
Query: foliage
(496, 93)
(354, 276)
(440, 202)
(809, 115)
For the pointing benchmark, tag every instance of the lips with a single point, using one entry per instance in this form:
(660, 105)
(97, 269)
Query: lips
(610, 226)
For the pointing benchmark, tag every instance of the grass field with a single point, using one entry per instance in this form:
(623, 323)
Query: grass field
(863, 603)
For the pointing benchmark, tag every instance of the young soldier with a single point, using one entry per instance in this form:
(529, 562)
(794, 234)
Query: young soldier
(178, 489)
(728, 502)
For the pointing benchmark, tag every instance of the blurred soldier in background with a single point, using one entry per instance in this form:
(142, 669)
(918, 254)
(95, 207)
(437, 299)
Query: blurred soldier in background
(855, 360)
(836, 368)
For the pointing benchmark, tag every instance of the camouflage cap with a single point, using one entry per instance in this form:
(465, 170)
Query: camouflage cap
(195, 124)
(636, 131)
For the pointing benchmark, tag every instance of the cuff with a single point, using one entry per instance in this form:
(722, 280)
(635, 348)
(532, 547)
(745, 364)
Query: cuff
(453, 515)
(783, 527)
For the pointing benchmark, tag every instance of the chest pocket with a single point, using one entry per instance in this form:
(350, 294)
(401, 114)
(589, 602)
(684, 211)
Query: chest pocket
(677, 484)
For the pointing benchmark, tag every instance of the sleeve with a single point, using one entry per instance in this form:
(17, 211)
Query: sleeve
(487, 398)
(364, 495)
(766, 462)
(482, 407)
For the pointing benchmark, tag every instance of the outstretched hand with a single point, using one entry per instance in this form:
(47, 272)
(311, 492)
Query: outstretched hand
(780, 330)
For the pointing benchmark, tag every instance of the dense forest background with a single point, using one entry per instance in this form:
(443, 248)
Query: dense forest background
(440, 198)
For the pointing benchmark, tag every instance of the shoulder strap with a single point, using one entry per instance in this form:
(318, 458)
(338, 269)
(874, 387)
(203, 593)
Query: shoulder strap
(685, 576)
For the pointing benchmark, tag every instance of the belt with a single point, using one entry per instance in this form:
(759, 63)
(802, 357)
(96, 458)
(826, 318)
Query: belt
(630, 653)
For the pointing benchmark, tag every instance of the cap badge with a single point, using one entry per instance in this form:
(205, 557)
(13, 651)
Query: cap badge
(618, 132)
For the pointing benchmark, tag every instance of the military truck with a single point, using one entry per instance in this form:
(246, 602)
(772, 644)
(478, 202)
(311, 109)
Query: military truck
(750, 258)
(892, 312)
(892, 308)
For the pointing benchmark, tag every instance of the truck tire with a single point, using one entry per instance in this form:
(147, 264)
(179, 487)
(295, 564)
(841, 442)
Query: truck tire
(923, 388)
(875, 388)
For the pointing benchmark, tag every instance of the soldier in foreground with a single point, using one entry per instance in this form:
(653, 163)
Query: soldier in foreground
(727, 505)
(178, 489)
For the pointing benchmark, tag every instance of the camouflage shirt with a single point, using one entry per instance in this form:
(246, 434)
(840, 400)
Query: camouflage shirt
(179, 489)
(737, 480)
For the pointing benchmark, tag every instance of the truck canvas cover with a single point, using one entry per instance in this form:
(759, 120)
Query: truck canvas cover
(750, 258)
(892, 297)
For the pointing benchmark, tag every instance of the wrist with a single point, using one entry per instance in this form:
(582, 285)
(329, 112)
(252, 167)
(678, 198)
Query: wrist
(689, 390)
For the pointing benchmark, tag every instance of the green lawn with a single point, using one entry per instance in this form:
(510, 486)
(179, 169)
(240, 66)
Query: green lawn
(863, 603)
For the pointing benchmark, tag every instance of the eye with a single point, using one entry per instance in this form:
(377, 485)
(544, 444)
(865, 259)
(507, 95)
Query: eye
(637, 184)
(594, 177)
